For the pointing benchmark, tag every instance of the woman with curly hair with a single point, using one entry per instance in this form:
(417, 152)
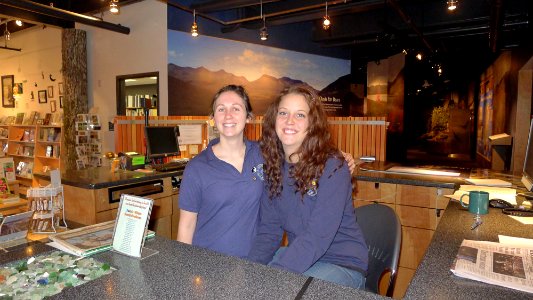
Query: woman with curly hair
(308, 194)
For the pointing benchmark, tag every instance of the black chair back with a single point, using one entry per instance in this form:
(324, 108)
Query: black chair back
(383, 235)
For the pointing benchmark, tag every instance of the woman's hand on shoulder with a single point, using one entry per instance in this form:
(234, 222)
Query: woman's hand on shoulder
(352, 164)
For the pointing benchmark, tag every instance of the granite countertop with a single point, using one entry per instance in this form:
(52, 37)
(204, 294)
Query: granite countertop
(181, 271)
(377, 172)
(433, 278)
(97, 178)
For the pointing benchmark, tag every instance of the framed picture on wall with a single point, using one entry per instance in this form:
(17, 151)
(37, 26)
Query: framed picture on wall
(53, 106)
(42, 96)
(60, 101)
(60, 88)
(7, 91)
(50, 92)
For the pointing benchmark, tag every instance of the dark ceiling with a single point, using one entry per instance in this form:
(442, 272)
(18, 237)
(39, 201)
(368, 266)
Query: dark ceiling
(366, 30)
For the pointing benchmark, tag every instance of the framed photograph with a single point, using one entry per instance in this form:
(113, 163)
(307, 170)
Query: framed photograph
(42, 96)
(60, 88)
(51, 91)
(7, 91)
(80, 164)
(60, 101)
(53, 106)
(17, 89)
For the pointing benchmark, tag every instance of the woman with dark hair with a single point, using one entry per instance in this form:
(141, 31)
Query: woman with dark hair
(308, 194)
(221, 186)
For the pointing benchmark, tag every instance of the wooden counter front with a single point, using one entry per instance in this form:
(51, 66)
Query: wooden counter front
(91, 206)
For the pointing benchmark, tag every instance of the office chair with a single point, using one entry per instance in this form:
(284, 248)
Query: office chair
(383, 235)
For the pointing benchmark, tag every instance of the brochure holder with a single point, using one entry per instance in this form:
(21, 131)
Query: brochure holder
(47, 205)
(130, 226)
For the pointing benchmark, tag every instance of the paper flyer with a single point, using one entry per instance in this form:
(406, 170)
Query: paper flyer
(132, 219)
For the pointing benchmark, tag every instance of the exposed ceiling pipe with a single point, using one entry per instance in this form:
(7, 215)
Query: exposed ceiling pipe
(409, 22)
(9, 48)
(496, 23)
(64, 15)
(353, 7)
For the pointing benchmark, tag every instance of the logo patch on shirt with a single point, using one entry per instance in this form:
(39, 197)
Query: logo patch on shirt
(258, 172)
(313, 190)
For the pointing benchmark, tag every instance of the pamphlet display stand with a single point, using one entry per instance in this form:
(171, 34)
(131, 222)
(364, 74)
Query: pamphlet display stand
(47, 204)
(130, 226)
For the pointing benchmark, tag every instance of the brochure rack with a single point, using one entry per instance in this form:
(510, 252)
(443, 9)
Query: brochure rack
(47, 204)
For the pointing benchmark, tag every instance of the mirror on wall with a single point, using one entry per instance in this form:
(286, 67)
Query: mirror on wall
(137, 93)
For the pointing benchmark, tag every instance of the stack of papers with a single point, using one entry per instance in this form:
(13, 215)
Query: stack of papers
(489, 182)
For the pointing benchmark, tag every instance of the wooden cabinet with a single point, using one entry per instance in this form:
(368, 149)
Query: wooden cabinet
(92, 206)
(419, 209)
(4, 133)
(21, 146)
(47, 148)
(34, 148)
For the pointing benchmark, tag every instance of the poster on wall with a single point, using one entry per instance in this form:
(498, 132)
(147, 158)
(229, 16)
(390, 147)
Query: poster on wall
(199, 67)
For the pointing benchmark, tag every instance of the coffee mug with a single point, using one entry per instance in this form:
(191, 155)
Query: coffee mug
(478, 203)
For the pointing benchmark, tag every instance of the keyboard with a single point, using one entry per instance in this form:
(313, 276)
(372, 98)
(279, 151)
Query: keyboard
(171, 166)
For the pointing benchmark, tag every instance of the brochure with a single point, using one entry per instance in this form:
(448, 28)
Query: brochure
(88, 240)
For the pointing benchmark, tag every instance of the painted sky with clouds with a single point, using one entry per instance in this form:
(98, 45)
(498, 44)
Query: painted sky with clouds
(252, 61)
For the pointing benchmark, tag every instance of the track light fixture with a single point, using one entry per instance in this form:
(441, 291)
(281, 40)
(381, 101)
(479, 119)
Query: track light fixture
(263, 34)
(326, 22)
(419, 56)
(194, 27)
(452, 4)
(7, 34)
(19, 22)
(113, 7)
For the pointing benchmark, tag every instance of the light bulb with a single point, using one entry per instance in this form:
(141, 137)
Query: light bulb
(263, 34)
(326, 22)
(452, 4)
(18, 22)
(113, 7)
(194, 29)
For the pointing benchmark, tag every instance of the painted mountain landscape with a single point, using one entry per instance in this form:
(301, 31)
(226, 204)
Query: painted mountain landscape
(191, 90)
(199, 67)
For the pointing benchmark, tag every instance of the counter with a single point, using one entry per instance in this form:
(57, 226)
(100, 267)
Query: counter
(433, 278)
(91, 195)
(98, 178)
(181, 271)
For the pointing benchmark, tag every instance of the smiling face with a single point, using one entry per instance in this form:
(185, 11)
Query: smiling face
(230, 115)
(292, 122)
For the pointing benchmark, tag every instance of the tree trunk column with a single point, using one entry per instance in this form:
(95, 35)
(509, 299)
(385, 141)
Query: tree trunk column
(75, 101)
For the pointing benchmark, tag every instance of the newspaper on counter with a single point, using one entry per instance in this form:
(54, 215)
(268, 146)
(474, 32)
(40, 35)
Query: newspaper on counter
(499, 264)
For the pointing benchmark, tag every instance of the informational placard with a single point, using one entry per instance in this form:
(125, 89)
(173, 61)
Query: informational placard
(190, 134)
(132, 221)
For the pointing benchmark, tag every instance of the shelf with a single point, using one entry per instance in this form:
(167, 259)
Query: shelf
(47, 157)
(22, 142)
(21, 156)
(48, 142)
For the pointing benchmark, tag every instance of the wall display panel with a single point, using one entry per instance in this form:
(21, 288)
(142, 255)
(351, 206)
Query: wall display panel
(198, 67)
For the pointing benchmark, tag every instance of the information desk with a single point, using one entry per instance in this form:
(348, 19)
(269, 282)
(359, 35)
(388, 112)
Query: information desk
(181, 271)
(433, 278)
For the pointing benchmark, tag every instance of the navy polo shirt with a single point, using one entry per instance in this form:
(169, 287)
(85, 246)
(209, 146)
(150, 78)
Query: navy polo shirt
(227, 201)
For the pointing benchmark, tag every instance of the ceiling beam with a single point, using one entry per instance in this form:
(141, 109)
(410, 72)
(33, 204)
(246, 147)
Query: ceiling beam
(63, 15)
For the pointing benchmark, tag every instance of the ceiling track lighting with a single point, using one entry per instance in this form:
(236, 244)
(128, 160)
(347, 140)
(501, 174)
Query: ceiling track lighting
(326, 23)
(113, 7)
(194, 27)
(19, 22)
(263, 34)
(452, 4)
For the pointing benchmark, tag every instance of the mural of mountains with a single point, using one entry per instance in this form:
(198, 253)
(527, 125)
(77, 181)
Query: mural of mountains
(191, 90)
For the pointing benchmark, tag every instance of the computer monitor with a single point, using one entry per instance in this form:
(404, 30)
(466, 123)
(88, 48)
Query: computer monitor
(527, 172)
(162, 141)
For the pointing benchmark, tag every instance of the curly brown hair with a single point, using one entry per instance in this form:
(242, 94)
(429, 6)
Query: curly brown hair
(315, 150)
